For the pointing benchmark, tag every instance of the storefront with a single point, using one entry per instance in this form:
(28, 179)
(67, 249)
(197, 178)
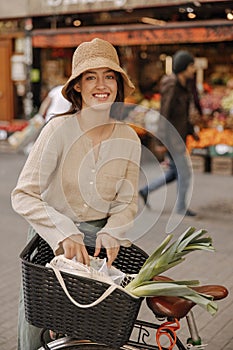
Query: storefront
(144, 52)
(144, 49)
(11, 69)
(56, 27)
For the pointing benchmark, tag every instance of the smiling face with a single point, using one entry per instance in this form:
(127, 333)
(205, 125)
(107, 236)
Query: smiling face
(97, 87)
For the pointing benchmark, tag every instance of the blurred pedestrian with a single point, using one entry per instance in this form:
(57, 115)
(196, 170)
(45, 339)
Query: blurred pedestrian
(174, 126)
(54, 103)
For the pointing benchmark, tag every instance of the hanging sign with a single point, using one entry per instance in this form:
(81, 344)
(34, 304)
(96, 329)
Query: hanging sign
(135, 35)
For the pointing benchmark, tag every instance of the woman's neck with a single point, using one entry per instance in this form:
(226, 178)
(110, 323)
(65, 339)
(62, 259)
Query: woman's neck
(96, 125)
(90, 118)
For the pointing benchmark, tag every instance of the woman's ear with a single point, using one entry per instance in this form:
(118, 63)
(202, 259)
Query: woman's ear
(77, 87)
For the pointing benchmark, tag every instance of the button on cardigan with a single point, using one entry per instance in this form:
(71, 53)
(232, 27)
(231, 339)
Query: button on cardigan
(62, 184)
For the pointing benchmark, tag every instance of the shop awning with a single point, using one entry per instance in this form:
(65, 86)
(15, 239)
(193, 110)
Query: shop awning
(141, 34)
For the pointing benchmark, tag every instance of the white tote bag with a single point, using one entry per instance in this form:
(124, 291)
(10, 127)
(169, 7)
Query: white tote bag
(97, 270)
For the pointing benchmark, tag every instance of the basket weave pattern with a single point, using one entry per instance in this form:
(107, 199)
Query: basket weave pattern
(46, 305)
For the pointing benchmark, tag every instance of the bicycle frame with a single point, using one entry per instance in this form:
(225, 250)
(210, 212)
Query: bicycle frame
(143, 337)
(147, 330)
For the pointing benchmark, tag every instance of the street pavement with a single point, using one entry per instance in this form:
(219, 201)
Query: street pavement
(211, 199)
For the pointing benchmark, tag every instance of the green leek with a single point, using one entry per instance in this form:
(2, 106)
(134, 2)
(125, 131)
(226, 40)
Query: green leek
(166, 257)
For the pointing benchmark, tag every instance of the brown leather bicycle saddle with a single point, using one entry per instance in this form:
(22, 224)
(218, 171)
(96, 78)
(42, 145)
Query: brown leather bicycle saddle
(176, 307)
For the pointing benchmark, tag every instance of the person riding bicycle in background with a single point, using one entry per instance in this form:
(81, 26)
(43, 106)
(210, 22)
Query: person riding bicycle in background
(82, 172)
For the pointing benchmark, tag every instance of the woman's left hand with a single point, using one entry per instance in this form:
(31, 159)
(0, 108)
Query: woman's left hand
(111, 245)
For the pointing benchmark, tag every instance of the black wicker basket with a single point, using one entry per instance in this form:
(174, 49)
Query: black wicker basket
(46, 305)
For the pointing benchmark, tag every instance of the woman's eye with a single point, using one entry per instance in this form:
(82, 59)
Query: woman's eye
(90, 77)
(110, 77)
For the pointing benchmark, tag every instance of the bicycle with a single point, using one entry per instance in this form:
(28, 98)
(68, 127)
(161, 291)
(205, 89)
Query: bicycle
(133, 334)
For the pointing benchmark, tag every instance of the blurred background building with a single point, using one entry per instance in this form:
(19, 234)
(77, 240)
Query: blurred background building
(38, 38)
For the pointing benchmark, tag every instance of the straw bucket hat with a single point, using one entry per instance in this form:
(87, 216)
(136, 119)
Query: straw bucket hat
(94, 54)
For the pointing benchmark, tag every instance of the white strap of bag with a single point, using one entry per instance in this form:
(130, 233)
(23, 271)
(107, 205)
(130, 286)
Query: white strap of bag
(84, 306)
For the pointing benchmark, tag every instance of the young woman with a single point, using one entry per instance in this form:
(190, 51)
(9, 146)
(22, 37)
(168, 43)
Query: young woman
(82, 173)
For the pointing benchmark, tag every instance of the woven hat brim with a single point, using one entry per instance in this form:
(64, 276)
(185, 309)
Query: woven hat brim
(100, 62)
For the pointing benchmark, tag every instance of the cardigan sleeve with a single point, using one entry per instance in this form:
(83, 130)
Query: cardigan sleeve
(28, 195)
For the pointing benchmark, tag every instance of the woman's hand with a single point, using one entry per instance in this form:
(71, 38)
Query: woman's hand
(74, 246)
(111, 245)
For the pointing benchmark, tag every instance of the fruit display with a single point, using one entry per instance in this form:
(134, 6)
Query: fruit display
(227, 102)
(210, 137)
(217, 106)
(211, 101)
(8, 128)
(144, 116)
(153, 102)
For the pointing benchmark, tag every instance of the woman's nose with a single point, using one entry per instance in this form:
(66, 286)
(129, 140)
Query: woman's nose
(100, 82)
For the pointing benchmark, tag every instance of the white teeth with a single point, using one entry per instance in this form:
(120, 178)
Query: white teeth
(101, 95)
